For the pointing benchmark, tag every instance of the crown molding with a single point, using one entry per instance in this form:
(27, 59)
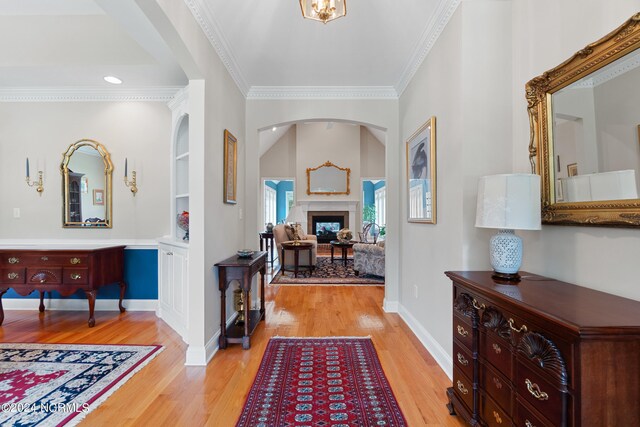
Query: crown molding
(204, 16)
(180, 96)
(89, 94)
(436, 25)
(322, 92)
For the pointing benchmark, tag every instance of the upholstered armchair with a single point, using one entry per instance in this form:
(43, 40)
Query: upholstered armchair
(368, 259)
(280, 235)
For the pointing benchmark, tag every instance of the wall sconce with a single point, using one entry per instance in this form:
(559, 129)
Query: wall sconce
(132, 184)
(38, 183)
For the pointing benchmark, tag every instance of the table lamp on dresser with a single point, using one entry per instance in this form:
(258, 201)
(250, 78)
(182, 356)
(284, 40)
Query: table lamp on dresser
(508, 202)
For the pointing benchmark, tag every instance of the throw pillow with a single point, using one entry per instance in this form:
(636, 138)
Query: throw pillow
(290, 231)
(300, 231)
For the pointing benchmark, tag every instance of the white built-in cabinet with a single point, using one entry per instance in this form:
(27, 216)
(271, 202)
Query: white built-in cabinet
(173, 250)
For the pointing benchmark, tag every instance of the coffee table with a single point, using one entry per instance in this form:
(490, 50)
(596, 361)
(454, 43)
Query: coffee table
(344, 246)
(296, 247)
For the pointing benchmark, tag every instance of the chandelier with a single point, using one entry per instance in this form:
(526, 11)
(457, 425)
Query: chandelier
(323, 10)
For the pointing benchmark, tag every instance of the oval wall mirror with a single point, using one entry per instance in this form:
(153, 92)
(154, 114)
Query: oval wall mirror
(86, 185)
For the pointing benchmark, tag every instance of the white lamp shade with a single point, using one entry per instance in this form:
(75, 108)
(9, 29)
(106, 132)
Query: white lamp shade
(509, 201)
(296, 215)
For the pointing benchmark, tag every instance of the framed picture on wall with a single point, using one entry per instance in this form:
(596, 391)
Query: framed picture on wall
(572, 169)
(421, 174)
(98, 197)
(230, 167)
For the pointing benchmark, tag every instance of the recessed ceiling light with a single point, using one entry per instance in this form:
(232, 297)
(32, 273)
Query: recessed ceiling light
(113, 80)
(273, 129)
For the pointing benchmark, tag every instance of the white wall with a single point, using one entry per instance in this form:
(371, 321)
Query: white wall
(599, 258)
(43, 131)
(371, 155)
(280, 160)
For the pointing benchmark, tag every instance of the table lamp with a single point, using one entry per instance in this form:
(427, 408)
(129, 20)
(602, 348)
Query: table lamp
(296, 216)
(508, 202)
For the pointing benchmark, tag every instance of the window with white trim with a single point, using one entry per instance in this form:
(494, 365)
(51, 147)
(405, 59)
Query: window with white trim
(269, 205)
(380, 202)
(289, 204)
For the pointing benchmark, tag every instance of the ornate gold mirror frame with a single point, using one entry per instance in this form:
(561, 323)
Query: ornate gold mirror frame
(98, 196)
(539, 91)
(342, 175)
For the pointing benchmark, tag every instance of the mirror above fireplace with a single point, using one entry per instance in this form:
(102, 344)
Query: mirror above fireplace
(328, 179)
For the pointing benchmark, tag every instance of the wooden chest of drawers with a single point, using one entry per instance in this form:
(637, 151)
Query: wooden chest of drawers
(64, 271)
(543, 353)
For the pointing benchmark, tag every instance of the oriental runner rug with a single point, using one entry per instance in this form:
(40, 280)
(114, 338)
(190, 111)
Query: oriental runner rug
(331, 381)
(58, 384)
(328, 273)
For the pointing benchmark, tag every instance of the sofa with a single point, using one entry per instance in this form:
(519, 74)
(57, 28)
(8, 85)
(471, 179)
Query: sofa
(368, 258)
(280, 235)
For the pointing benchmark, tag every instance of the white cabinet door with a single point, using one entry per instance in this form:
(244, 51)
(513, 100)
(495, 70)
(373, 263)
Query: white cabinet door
(173, 278)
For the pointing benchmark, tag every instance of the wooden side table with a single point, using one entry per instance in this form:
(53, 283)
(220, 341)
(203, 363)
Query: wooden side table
(267, 238)
(344, 246)
(242, 270)
(296, 247)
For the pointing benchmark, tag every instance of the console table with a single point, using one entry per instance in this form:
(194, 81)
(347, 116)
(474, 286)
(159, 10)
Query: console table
(543, 353)
(62, 270)
(242, 270)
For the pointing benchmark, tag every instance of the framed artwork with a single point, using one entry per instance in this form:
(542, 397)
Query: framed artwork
(572, 169)
(84, 185)
(230, 167)
(421, 174)
(98, 197)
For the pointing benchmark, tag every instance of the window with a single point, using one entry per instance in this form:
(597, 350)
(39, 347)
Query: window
(416, 202)
(380, 201)
(289, 204)
(269, 205)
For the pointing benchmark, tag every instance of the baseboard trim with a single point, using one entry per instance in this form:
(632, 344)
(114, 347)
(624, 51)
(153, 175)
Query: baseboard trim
(69, 304)
(433, 347)
(390, 306)
(202, 355)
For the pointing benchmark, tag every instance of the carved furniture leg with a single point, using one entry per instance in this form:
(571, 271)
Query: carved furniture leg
(262, 274)
(41, 307)
(246, 343)
(2, 292)
(91, 297)
(222, 341)
(123, 288)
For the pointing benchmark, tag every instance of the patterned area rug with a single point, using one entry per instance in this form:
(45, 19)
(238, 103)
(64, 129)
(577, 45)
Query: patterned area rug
(58, 384)
(330, 381)
(327, 273)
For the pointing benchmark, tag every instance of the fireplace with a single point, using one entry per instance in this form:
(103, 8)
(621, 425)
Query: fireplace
(325, 225)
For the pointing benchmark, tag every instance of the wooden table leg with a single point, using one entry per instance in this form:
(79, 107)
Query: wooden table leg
(123, 288)
(262, 273)
(222, 341)
(246, 343)
(270, 241)
(91, 297)
(296, 257)
(344, 256)
(2, 292)
(332, 254)
(261, 239)
(41, 307)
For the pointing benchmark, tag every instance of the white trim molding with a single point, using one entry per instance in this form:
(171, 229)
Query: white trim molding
(436, 350)
(201, 356)
(90, 94)
(444, 12)
(322, 92)
(390, 306)
(73, 304)
(75, 243)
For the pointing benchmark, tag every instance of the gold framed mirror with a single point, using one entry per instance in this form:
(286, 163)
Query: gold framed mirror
(86, 185)
(584, 142)
(328, 179)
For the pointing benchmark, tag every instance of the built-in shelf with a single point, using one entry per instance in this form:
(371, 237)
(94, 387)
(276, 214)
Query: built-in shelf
(183, 156)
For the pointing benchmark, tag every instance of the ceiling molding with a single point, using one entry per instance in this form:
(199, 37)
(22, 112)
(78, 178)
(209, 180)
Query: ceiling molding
(178, 98)
(56, 94)
(436, 25)
(205, 18)
(322, 92)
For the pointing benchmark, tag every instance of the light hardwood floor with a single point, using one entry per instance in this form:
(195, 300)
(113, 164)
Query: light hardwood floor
(166, 392)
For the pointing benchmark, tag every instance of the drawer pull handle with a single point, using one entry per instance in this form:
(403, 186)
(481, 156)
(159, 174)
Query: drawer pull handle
(462, 331)
(523, 328)
(13, 276)
(14, 260)
(44, 258)
(75, 276)
(478, 307)
(462, 388)
(535, 390)
(43, 280)
(528, 423)
(497, 382)
(74, 261)
(462, 360)
(497, 416)
(497, 349)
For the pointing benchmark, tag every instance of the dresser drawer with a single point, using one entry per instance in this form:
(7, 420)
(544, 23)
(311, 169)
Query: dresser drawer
(462, 359)
(493, 415)
(525, 417)
(497, 386)
(44, 259)
(463, 388)
(12, 275)
(539, 393)
(75, 276)
(463, 332)
(44, 275)
(497, 351)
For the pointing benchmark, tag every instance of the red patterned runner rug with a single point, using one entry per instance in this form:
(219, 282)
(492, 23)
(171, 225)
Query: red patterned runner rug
(58, 384)
(331, 381)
